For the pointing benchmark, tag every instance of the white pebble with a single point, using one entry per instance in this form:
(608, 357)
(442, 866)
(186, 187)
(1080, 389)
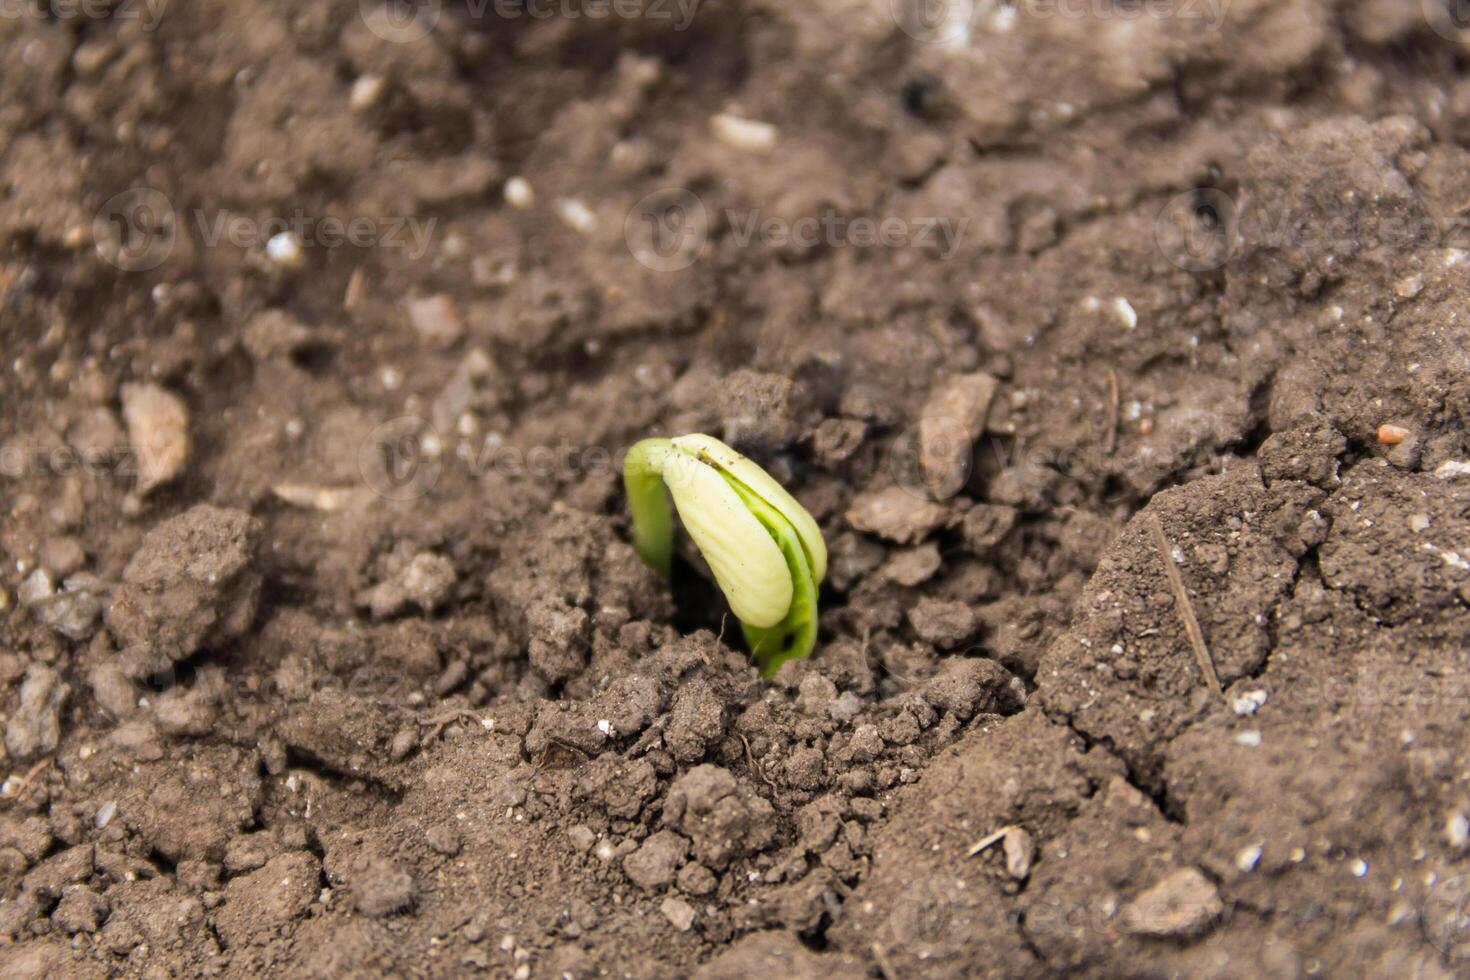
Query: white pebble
(105, 813)
(1126, 313)
(576, 215)
(367, 90)
(284, 250)
(605, 727)
(1250, 739)
(1360, 868)
(519, 194)
(1452, 468)
(1457, 830)
(1247, 858)
(1248, 703)
(750, 135)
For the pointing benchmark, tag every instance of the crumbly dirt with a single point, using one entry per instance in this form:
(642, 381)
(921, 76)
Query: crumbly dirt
(323, 650)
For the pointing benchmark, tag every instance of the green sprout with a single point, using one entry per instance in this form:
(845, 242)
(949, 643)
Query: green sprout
(765, 550)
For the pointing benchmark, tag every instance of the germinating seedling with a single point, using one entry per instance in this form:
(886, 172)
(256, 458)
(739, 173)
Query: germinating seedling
(765, 550)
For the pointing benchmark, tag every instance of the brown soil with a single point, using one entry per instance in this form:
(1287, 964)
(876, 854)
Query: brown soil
(322, 648)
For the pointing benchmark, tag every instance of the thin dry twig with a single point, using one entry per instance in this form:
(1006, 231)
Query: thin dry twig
(1110, 426)
(984, 842)
(439, 722)
(750, 759)
(23, 786)
(1186, 608)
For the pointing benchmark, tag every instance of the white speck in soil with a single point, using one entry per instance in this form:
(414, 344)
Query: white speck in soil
(284, 250)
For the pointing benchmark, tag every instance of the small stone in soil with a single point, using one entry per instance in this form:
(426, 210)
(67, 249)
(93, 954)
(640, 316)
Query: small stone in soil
(944, 623)
(896, 515)
(444, 839)
(35, 728)
(695, 879)
(679, 913)
(1182, 903)
(382, 888)
(436, 320)
(158, 431)
(655, 863)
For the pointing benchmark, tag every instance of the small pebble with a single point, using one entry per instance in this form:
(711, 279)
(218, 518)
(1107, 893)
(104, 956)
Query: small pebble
(750, 135)
(436, 319)
(679, 913)
(367, 91)
(576, 215)
(105, 813)
(1248, 703)
(1247, 858)
(1250, 738)
(1391, 435)
(284, 250)
(158, 432)
(519, 193)
(1457, 830)
(582, 837)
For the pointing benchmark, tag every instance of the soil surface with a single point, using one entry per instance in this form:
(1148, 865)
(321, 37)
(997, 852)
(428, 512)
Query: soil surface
(323, 650)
